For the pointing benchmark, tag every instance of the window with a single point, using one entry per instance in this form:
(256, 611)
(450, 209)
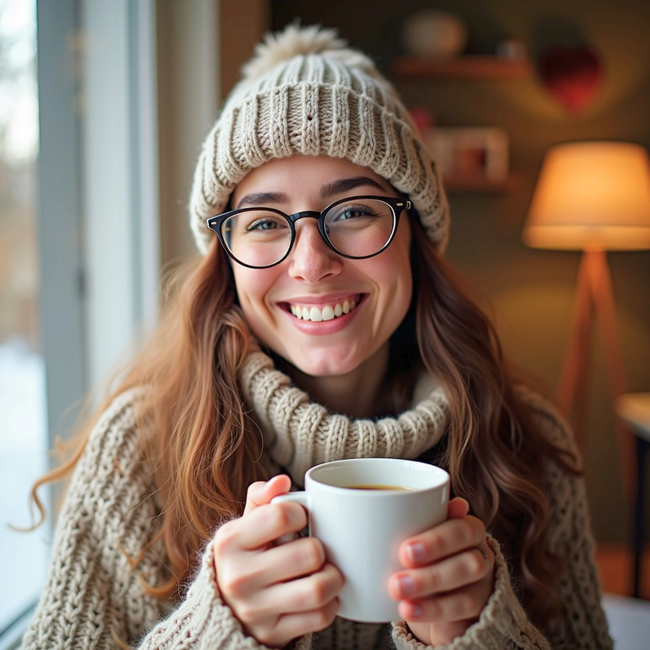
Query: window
(80, 247)
(23, 428)
(73, 255)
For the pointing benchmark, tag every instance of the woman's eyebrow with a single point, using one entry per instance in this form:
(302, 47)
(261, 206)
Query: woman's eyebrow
(346, 184)
(263, 198)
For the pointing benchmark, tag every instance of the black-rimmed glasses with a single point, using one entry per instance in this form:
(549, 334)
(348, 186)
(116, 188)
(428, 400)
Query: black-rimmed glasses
(357, 227)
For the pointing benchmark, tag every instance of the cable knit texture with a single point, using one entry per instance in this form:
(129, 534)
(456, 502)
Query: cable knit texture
(306, 93)
(299, 434)
(92, 597)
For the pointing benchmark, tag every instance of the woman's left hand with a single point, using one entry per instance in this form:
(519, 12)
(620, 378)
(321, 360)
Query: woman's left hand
(448, 577)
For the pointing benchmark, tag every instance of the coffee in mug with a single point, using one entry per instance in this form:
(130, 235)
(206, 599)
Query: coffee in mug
(377, 487)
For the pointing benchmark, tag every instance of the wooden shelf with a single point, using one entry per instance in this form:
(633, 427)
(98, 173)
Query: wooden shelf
(464, 67)
(479, 184)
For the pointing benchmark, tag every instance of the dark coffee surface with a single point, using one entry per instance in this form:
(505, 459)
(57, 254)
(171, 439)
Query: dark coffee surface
(379, 487)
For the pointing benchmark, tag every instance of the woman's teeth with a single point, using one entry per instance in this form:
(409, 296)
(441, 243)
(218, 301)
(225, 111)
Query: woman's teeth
(326, 313)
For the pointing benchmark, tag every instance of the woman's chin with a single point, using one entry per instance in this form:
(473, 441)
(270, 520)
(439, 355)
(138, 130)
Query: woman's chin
(328, 364)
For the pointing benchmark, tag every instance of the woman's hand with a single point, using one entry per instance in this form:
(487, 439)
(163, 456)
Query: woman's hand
(278, 593)
(449, 577)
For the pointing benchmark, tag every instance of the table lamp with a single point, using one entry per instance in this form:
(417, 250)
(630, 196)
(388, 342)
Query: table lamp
(594, 197)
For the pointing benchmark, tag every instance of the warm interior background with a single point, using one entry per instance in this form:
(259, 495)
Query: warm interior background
(531, 291)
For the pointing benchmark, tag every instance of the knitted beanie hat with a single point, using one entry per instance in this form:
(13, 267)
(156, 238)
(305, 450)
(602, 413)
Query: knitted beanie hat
(305, 92)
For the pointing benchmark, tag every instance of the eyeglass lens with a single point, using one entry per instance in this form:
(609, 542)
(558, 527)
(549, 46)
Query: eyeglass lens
(358, 228)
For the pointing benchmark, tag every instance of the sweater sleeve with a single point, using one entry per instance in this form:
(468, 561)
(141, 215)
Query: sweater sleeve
(92, 598)
(581, 623)
(204, 621)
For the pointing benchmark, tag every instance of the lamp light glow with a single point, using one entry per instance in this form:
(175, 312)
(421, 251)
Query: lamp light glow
(591, 195)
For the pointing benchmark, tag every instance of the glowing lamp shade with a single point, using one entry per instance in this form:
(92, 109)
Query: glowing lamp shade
(591, 195)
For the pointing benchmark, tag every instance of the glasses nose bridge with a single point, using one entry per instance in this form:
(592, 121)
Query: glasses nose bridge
(304, 214)
(308, 214)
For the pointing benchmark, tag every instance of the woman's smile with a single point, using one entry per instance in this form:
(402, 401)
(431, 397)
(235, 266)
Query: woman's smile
(324, 316)
(319, 308)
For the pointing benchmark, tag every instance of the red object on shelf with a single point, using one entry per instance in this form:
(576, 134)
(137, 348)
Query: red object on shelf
(572, 75)
(422, 117)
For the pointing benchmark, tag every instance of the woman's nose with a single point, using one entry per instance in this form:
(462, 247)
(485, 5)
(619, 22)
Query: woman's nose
(311, 259)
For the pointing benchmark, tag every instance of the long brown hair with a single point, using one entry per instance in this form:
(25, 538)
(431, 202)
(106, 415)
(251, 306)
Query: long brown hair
(494, 451)
(200, 445)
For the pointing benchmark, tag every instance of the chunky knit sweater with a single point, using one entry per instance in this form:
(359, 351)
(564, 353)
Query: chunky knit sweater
(92, 598)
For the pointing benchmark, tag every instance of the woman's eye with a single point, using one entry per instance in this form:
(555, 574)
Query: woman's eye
(264, 224)
(354, 213)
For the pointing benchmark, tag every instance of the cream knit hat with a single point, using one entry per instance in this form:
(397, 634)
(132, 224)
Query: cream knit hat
(305, 92)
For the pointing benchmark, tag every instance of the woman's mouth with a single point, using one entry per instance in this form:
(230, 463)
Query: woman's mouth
(318, 313)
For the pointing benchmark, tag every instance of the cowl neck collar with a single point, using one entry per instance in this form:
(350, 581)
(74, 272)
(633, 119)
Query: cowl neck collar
(300, 433)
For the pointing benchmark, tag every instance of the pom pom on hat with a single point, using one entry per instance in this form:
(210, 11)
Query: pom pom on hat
(295, 40)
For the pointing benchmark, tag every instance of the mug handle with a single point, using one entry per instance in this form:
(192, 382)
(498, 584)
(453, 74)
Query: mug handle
(298, 497)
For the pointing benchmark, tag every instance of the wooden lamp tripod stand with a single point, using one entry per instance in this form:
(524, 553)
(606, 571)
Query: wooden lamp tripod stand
(594, 197)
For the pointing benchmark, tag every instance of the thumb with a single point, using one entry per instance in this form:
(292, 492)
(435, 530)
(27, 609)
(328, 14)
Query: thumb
(261, 492)
(458, 508)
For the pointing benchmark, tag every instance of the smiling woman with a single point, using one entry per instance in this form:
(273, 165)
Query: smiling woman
(321, 323)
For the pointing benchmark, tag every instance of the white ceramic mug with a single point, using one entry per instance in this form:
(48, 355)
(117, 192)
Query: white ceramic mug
(361, 530)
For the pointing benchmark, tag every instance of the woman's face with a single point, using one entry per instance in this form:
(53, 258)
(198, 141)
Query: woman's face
(313, 275)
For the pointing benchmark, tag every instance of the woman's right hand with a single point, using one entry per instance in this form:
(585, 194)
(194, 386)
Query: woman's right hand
(278, 593)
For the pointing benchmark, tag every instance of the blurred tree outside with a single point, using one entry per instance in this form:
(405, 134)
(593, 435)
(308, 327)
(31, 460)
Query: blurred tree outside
(18, 151)
(23, 421)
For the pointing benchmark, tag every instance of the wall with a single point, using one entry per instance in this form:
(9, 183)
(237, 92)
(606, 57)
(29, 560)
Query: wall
(201, 47)
(188, 42)
(243, 22)
(532, 290)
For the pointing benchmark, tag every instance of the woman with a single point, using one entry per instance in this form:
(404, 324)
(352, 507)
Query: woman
(321, 323)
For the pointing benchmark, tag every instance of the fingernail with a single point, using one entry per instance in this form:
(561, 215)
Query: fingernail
(406, 586)
(416, 611)
(416, 553)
